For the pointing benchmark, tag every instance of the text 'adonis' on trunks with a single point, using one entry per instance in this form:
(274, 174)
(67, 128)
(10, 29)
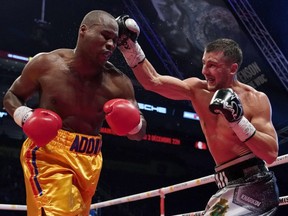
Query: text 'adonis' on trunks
(86, 145)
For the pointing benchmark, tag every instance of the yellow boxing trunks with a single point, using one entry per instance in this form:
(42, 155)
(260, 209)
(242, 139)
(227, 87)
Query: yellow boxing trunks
(61, 177)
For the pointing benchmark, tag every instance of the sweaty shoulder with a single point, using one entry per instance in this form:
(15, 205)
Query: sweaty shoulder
(253, 98)
(45, 59)
(54, 55)
(119, 80)
(196, 83)
(110, 69)
(250, 93)
(196, 86)
(42, 63)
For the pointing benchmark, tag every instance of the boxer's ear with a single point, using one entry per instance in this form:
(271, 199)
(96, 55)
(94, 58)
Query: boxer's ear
(82, 29)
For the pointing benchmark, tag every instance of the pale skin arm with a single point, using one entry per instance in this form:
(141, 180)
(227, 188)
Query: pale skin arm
(264, 143)
(167, 86)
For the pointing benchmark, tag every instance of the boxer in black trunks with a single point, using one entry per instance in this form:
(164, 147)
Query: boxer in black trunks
(235, 119)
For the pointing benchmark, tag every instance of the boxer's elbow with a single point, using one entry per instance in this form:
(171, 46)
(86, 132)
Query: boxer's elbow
(152, 84)
(272, 156)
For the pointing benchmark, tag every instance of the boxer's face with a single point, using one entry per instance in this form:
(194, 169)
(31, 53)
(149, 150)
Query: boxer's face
(100, 39)
(216, 70)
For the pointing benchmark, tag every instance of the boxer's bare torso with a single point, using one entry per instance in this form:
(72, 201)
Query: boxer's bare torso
(77, 97)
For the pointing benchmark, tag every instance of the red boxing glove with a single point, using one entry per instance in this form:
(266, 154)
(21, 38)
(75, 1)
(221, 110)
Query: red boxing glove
(122, 117)
(40, 125)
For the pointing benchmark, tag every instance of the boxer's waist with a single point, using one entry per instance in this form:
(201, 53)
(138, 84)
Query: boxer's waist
(242, 167)
(77, 142)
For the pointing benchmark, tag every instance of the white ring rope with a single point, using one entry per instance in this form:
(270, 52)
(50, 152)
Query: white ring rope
(173, 188)
(160, 192)
(13, 207)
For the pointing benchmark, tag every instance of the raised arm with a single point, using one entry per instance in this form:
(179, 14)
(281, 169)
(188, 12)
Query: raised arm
(145, 73)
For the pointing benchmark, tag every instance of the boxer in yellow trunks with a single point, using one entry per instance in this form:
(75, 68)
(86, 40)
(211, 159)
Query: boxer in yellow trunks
(78, 89)
(66, 176)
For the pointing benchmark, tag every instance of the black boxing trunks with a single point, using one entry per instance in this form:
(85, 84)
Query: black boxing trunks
(246, 187)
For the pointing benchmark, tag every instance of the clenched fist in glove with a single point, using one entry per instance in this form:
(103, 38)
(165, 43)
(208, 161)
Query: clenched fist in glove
(40, 125)
(127, 42)
(122, 116)
(227, 102)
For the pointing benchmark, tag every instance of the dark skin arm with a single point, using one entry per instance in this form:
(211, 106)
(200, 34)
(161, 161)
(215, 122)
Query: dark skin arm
(139, 136)
(47, 74)
(22, 88)
(128, 93)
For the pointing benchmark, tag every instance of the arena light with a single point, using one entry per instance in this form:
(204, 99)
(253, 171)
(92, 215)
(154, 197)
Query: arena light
(18, 57)
(8, 55)
(2, 114)
(190, 115)
(200, 145)
(152, 108)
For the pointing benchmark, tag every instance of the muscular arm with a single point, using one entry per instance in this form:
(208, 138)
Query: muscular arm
(142, 132)
(167, 86)
(140, 135)
(264, 143)
(145, 73)
(23, 87)
(127, 92)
